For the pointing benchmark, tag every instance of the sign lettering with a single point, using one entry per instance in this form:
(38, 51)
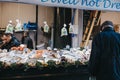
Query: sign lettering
(113, 5)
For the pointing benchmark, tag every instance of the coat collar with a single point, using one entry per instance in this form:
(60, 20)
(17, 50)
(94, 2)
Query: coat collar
(108, 29)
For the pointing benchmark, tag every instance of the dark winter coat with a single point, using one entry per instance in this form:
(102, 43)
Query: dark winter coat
(28, 41)
(104, 61)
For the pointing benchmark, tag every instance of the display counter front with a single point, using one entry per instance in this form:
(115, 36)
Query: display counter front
(46, 73)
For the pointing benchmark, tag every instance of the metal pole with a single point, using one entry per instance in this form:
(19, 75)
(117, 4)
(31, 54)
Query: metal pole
(37, 27)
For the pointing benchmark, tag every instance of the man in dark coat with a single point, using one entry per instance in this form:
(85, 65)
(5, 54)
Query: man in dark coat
(104, 61)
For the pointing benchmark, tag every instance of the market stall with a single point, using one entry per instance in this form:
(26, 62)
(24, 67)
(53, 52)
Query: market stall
(51, 64)
(47, 64)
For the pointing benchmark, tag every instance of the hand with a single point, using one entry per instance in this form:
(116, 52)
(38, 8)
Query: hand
(4, 42)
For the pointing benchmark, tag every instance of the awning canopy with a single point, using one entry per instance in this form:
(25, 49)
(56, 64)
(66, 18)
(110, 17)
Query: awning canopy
(111, 5)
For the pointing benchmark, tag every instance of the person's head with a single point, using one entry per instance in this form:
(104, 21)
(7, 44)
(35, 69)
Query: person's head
(107, 24)
(26, 33)
(7, 37)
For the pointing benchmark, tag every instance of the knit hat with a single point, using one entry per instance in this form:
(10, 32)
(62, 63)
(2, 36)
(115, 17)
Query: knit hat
(107, 24)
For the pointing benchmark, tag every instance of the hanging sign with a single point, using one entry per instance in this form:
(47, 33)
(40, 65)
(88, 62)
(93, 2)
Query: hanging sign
(64, 31)
(9, 28)
(113, 5)
(46, 27)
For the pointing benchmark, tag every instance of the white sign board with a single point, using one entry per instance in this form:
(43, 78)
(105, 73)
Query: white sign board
(112, 5)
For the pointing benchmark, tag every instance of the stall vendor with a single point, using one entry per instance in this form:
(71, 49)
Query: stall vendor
(9, 41)
(26, 40)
